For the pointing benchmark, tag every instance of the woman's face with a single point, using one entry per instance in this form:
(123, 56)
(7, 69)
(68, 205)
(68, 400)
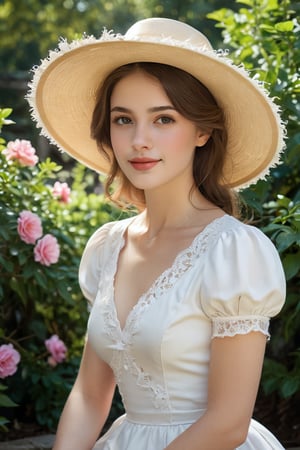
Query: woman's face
(152, 142)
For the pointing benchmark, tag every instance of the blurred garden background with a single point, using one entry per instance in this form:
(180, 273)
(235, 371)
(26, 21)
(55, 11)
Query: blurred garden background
(42, 311)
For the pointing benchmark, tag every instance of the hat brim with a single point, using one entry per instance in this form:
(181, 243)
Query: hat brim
(64, 99)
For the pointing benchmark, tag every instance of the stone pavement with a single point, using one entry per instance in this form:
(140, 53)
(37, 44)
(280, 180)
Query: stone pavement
(43, 443)
(35, 443)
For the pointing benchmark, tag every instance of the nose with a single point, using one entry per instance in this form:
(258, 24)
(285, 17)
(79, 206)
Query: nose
(141, 139)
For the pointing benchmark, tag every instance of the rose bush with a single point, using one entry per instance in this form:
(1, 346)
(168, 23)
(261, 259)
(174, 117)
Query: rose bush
(46, 217)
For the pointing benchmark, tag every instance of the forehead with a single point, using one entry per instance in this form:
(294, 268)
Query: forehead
(139, 87)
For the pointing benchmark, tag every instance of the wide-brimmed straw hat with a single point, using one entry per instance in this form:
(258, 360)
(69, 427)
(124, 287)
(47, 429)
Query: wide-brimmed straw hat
(62, 93)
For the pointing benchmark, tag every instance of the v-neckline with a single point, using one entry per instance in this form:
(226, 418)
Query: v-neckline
(158, 280)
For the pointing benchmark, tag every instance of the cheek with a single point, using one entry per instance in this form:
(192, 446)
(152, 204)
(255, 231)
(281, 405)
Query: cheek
(117, 139)
(181, 143)
(118, 143)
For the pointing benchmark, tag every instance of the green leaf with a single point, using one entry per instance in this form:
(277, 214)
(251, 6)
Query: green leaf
(287, 25)
(268, 28)
(41, 279)
(4, 233)
(4, 176)
(3, 421)
(29, 270)
(290, 386)
(246, 2)
(270, 385)
(276, 368)
(218, 15)
(271, 5)
(23, 258)
(63, 292)
(285, 240)
(35, 377)
(5, 112)
(291, 265)
(39, 329)
(6, 401)
(16, 191)
(17, 286)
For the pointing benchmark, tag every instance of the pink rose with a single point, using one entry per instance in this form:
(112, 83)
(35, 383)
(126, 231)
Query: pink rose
(47, 250)
(29, 227)
(61, 191)
(21, 150)
(9, 359)
(57, 348)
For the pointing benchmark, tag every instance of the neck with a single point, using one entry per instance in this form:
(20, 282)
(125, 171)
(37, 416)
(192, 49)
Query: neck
(168, 210)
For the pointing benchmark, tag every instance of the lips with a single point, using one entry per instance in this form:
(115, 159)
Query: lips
(144, 163)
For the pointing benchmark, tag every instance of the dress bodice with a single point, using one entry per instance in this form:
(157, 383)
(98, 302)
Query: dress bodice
(160, 358)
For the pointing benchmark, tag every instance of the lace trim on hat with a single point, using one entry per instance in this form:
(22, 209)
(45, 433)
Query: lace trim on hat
(231, 326)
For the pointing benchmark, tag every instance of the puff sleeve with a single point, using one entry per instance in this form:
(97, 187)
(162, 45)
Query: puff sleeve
(92, 260)
(243, 282)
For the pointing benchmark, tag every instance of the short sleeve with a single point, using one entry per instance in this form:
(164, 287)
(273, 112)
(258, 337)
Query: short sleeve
(243, 282)
(92, 260)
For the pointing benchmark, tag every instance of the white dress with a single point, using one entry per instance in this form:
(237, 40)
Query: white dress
(228, 281)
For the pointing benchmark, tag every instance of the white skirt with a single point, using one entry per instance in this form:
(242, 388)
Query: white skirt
(128, 435)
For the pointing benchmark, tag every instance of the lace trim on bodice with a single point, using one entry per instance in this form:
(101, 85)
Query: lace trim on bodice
(122, 358)
(231, 326)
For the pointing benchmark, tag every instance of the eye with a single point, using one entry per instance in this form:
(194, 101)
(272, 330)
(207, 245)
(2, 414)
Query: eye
(165, 120)
(122, 120)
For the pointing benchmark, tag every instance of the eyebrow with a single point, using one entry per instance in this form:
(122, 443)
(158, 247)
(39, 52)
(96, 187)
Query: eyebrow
(150, 110)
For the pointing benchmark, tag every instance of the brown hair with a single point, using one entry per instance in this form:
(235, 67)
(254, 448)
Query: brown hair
(191, 99)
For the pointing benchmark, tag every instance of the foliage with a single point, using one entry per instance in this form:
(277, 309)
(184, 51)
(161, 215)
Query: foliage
(264, 36)
(28, 29)
(5, 402)
(37, 301)
(282, 367)
(4, 113)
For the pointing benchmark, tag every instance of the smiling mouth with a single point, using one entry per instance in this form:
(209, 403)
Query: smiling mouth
(144, 163)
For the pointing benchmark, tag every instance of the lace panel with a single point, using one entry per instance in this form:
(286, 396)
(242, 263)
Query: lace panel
(182, 263)
(231, 326)
(122, 340)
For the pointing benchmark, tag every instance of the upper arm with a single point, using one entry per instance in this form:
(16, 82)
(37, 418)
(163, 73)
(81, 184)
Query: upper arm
(88, 404)
(95, 377)
(234, 375)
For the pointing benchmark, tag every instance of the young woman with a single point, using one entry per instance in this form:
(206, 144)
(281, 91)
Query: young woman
(181, 294)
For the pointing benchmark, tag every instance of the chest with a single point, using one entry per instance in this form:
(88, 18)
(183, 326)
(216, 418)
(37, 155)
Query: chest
(165, 324)
(138, 268)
